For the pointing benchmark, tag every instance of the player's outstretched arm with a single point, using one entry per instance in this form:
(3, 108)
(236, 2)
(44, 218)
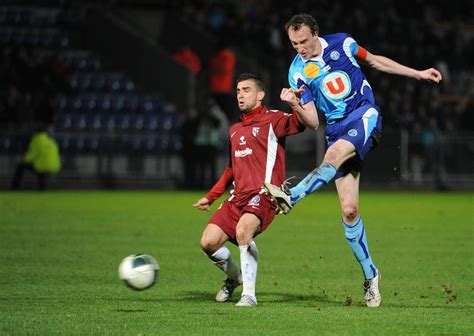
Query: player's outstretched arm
(203, 204)
(217, 190)
(307, 113)
(388, 65)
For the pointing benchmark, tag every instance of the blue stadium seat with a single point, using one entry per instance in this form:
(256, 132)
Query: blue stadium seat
(59, 103)
(90, 103)
(118, 103)
(7, 144)
(98, 82)
(79, 121)
(96, 122)
(85, 82)
(75, 103)
(70, 143)
(166, 121)
(63, 142)
(109, 121)
(63, 121)
(150, 105)
(176, 144)
(90, 144)
(128, 85)
(150, 144)
(151, 122)
(137, 122)
(123, 122)
(113, 82)
(163, 143)
(132, 103)
(104, 104)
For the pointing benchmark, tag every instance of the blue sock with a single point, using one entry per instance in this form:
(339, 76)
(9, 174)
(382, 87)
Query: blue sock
(314, 180)
(355, 235)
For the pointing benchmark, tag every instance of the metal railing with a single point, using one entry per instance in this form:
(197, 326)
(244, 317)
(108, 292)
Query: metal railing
(442, 160)
(110, 159)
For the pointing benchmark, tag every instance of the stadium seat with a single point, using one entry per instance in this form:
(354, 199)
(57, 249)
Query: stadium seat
(7, 144)
(136, 122)
(63, 121)
(118, 103)
(151, 122)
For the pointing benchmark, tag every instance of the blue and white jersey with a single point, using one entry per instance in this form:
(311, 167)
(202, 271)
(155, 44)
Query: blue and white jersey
(334, 77)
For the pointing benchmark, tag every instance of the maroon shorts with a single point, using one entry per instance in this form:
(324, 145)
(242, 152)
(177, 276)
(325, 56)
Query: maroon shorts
(228, 214)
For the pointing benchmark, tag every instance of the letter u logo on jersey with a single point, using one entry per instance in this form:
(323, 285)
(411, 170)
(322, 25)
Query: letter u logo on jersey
(336, 85)
(339, 88)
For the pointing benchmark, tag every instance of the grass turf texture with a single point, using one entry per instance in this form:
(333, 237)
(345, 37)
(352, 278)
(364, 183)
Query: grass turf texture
(59, 254)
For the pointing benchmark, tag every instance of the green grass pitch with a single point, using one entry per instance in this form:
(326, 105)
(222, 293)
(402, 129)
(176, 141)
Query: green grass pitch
(59, 253)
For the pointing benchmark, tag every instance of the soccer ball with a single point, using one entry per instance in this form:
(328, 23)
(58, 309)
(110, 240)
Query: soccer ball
(139, 271)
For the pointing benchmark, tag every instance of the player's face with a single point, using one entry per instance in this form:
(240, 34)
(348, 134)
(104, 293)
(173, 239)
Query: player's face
(305, 43)
(248, 96)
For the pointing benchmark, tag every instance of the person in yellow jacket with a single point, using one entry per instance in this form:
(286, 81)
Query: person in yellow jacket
(42, 158)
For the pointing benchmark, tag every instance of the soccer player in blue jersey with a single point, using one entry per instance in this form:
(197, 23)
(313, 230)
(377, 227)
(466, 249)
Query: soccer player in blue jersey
(327, 69)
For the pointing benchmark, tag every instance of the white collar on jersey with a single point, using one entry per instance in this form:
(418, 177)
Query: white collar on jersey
(319, 58)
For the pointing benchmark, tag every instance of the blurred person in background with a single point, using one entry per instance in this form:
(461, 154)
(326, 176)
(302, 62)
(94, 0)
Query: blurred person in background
(433, 144)
(256, 149)
(188, 133)
(201, 134)
(221, 78)
(328, 66)
(416, 159)
(187, 57)
(207, 142)
(42, 158)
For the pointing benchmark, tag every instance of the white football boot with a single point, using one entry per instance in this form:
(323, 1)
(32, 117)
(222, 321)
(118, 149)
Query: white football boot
(247, 301)
(280, 195)
(225, 293)
(373, 298)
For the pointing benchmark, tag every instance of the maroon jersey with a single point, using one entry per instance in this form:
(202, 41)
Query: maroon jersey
(257, 153)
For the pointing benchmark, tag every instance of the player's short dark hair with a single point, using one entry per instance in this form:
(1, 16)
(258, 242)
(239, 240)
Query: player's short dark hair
(299, 20)
(246, 76)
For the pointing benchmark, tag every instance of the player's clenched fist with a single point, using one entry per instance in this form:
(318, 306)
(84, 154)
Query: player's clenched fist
(290, 95)
(430, 75)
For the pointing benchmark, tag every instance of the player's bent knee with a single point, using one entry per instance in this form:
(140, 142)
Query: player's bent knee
(243, 235)
(331, 156)
(350, 213)
(209, 246)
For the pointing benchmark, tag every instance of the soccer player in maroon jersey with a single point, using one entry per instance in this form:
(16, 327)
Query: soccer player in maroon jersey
(257, 153)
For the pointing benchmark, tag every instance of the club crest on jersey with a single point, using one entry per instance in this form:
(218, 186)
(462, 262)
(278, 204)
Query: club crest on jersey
(242, 140)
(352, 132)
(336, 85)
(255, 131)
(255, 200)
(334, 55)
(311, 70)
